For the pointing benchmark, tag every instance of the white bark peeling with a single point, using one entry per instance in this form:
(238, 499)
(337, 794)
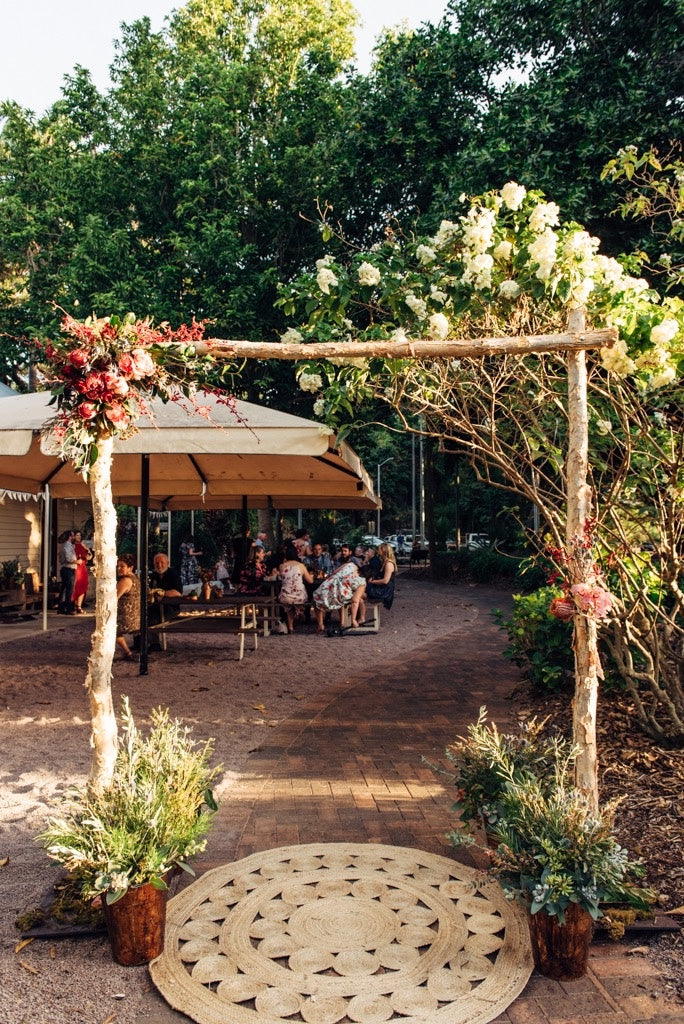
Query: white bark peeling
(585, 639)
(98, 682)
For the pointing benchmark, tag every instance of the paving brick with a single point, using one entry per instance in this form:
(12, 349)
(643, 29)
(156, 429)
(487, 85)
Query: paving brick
(349, 768)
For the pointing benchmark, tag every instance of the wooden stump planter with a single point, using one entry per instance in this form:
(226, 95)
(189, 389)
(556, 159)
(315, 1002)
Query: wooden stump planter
(136, 924)
(561, 951)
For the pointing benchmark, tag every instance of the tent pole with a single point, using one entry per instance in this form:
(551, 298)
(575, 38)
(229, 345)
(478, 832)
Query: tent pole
(46, 551)
(143, 557)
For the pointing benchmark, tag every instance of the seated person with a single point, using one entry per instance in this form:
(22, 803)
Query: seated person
(294, 576)
(346, 586)
(254, 572)
(128, 602)
(372, 565)
(380, 587)
(167, 579)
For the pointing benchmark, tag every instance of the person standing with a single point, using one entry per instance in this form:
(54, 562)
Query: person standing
(189, 567)
(83, 556)
(66, 557)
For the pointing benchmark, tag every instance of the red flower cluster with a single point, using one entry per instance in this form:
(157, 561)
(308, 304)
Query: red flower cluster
(104, 380)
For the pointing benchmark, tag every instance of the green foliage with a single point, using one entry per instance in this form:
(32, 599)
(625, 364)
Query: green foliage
(486, 760)
(554, 851)
(486, 565)
(538, 642)
(153, 817)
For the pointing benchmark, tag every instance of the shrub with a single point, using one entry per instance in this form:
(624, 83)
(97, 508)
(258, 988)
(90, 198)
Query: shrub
(539, 643)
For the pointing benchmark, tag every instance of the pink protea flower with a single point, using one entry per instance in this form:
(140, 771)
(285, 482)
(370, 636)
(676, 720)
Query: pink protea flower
(592, 599)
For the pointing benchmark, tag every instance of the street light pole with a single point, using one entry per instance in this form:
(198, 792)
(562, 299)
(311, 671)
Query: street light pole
(377, 521)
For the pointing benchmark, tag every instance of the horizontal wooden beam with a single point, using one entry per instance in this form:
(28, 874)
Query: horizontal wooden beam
(420, 348)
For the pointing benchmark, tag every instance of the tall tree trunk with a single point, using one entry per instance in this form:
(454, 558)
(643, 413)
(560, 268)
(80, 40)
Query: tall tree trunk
(587, 663)
(98, 681)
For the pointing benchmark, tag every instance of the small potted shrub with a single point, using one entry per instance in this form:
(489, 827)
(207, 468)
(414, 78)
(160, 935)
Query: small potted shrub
(485, 760)
(122, 844)
(562, 861)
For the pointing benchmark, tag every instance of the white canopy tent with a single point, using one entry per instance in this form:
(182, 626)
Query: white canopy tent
(267, 457)
(237, 457)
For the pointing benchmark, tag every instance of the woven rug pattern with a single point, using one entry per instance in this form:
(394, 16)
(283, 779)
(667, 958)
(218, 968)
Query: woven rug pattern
(338, 932)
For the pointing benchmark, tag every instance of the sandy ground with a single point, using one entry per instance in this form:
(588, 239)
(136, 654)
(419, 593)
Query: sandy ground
(44, 744)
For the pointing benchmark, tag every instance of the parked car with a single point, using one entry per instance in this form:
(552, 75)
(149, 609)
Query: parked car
(370, 540)
(450, 544)
(473, 541)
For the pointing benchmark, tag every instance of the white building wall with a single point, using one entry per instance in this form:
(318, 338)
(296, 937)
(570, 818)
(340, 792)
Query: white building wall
(20, 527)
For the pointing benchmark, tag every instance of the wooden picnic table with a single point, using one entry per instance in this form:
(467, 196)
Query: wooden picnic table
(234, 615)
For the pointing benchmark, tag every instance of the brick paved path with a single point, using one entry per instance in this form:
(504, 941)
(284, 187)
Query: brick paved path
(349, 768)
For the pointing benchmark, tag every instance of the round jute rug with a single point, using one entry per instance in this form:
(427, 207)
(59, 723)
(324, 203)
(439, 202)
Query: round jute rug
(339, 932)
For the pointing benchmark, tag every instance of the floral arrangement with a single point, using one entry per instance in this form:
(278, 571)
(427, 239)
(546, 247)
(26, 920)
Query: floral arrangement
(486, 759)
(588, 593)
(553, 851)
(151, 819)
(103, 372)
(507, 260)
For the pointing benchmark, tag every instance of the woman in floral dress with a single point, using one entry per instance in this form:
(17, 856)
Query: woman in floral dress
(293, 574)
(345, 586)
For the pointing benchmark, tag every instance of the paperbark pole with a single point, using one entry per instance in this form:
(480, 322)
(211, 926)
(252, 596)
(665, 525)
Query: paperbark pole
(98, 683)
(585, 640)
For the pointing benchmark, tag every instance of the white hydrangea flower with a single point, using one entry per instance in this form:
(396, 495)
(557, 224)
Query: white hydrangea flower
(544, 215)
(478, 228)
(368, 274)
(438, 326)
(509, 290)
(664, 332)
(543, 252)
(319, 407)
(437, 295)
(310, 381)
(666, 376)
(581, 291)
(416, 305)
(425, 255)
(399, 335)
(323, 430)
(478, 271)
(325, 261)
(513, 195)
(616, 360)
(503, 251)
(635, 284)
(604, 427)
(291, 337)
(447, 231)
(611, 271)
(326, 280)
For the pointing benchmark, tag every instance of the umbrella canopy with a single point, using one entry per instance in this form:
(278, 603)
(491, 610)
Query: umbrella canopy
(256, 453)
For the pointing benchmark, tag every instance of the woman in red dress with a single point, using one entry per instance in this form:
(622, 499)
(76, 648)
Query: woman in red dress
(83, 556)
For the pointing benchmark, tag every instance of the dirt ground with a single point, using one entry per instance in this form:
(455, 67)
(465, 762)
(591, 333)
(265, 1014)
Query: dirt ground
(44, 739)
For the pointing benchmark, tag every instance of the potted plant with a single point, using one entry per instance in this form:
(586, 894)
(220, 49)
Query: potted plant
(11, 573)
(486, 760)
(123, 843)
(562, 861)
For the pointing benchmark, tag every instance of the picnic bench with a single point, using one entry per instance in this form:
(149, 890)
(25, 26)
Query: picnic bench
(228, 616)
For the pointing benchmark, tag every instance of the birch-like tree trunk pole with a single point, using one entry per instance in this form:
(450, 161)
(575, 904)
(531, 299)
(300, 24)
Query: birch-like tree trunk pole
(98, 683)
(585, 639)
(420, 348)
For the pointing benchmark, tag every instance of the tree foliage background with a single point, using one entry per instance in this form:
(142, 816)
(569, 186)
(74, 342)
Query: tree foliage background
(194, 183)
